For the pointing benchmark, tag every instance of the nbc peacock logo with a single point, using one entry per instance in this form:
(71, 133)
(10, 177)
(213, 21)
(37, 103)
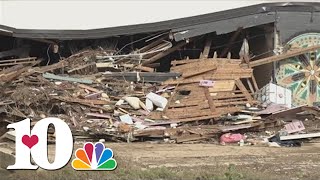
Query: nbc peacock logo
(94, 157)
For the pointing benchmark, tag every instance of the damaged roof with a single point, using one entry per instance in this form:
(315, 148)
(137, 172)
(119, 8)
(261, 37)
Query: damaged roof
(183, 28)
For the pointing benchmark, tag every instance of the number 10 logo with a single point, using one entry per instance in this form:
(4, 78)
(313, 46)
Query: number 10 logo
(34, 142)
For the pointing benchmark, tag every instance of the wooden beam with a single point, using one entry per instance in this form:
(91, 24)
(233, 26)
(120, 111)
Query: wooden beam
(199, 68)
(232, 39)
(250, 85)
(210, 101)
(244, 90)
(254, 83)
(62, 78)
(44, 69)
(85, 101)
(283, 56)
(165, 53)
(88, 88)
(206, 49)
(18, 60)
(219, 60)
(154, 43)
(144, 68)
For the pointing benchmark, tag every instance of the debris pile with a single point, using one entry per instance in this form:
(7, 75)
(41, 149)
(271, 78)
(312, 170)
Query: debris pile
(201, 99)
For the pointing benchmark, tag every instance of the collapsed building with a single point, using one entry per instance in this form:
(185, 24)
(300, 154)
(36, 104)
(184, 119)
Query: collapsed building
(184, 79)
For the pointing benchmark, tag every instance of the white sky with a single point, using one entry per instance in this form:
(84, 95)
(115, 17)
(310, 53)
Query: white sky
(91, 14)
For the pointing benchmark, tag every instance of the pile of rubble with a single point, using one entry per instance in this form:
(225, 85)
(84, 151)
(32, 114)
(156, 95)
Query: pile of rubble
(205, 99)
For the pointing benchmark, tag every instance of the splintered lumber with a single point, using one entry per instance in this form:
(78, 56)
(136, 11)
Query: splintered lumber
(142, 76)
(222, 86)
(12, 62)
(194, 102)
(178, 120)
(104, 65)
(198, 68)
(165, 53)
(254, 83)
(44, 69)
(84, 69)
(56, 77)
(219, 61)
(232, 39)
(84, 101)
(210, 101)
(244, 90)
(149, 133)
(143, 68)
(12, 73)
(107, 116)
(283, 56)
(214, 76)
(89, 88)
(11, 69)
(206, 49)
(154, 43)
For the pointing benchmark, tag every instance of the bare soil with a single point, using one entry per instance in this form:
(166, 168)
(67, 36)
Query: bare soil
(196, 161)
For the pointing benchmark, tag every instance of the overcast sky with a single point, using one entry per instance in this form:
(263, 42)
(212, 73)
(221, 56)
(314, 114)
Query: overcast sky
(91, 14)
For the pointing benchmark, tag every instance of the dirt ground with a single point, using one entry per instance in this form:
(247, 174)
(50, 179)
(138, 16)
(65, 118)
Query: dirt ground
(195, 161)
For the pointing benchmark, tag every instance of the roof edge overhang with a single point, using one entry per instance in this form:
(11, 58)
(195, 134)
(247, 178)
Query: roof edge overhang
(176, 25)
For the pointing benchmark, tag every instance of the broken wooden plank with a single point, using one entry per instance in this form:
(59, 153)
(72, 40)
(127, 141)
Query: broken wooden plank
(107, 116)
(13, 74)
(210, 101)
(198, 68)
(164, 53)
(44, 69)
(250, 85)
(144, 68)
(62, 78)
(222, 86)
(142, 76)
(215, 76)
(232, 39)
(218, 61)
(85, 101)
(299, 136)
(18, 60)
(255, 85)
(244, 90)
(206, 49)
(179, 120)
(95, 95)
(152, 44)
(104, 65)
(283, 56)
(89, 88)
(32, 63)
(84, 69)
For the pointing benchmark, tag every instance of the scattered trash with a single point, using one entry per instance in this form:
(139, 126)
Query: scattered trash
(295, 126)
(231, 138)
(126, 119)
(157, 100)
